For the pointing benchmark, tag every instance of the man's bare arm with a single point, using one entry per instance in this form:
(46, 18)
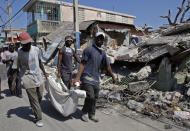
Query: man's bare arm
(81, 69)
(60, 56)
(42, 68)
(112, 75)
(76, 58)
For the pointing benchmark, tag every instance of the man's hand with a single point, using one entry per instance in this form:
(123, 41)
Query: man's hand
(46, 75)
(58, 74)
(114, 80)
(75, 80)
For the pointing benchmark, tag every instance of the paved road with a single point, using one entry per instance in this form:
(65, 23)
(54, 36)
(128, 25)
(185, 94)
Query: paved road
(15, 115)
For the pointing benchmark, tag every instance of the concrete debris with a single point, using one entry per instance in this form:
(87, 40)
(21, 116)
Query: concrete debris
(114, 96)
(51, 51)
(132, 104)
(152, 69)
(143, 73)
(103, 93)
(187, 78)
(138, 86)
(181, 115)
(188, 92)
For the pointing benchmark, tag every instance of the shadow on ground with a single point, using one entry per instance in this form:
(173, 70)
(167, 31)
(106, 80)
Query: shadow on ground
(49, 110)
(22, 112)
(7, 92)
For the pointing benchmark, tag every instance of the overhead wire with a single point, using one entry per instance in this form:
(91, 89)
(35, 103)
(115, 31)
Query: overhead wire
(4, 10)
(12, 17)
(18, 17)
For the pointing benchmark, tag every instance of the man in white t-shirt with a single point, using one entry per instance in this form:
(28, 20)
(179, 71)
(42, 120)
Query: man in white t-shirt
(30, 67)
(8, 58)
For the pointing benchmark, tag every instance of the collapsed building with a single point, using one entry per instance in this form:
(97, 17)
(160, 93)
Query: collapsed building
(151, 67)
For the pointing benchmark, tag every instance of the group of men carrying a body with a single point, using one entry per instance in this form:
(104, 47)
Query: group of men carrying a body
(28, 66)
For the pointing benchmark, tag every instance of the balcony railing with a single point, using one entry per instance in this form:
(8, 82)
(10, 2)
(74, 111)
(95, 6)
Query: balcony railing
(47, 26)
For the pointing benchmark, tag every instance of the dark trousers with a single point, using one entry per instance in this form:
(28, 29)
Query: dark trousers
(92, 93)
(17, 87)
(0, 86)
(66, 78)
(35, 98)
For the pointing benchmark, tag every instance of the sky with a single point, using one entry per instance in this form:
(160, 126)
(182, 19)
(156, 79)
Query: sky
(146, 11)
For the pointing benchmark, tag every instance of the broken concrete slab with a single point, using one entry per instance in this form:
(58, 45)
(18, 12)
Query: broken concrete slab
(176, 29)
(51, 50)
(123, 53)
(143, 73)
(132, 104)
(138, 86)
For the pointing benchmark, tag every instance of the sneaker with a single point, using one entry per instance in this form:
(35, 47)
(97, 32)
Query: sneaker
(94, 119)
(39, 123)
(85, 117)
(1, 97)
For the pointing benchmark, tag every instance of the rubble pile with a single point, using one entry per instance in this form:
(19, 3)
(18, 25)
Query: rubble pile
(171, 41)
(159, 93)
(158, 85)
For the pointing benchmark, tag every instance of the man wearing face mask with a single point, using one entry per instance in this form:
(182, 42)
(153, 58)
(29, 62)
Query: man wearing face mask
(93, 59)
(7, 59)
(65, 58)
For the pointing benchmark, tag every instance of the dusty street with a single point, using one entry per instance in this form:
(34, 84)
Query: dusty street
(15, 115)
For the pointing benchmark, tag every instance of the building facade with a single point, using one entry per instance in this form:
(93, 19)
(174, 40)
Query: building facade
(44, 16)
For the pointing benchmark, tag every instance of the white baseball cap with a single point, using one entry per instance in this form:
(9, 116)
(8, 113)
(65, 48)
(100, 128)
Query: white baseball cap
(100, 33)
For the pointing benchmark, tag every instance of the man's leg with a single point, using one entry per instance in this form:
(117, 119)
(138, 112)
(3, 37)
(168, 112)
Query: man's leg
(93, 107)
(18, 87)
(10, 84)
(87, 107)
(40, 91)
(66, 78)
(1, 97)
(34, 101)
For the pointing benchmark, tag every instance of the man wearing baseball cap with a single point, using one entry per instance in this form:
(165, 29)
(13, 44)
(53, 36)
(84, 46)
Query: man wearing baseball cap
(30, 67)
(93, 59)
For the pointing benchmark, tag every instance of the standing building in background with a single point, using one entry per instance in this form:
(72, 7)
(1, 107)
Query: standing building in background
(44, 16)
(11, 34)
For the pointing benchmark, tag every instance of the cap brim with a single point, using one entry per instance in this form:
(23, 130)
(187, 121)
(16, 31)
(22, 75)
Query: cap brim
(68, 39)
(26, 41)
(100, 34)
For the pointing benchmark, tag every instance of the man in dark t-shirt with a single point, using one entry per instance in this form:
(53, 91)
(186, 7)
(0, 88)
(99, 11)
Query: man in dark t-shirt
(65, 58)
(93, 59)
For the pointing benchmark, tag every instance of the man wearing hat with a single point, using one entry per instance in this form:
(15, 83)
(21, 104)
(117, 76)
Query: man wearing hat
(30, 67)
(93, 59)
(65, 58)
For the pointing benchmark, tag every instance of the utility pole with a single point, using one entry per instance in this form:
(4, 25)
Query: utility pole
(10, 21)
(76, 23)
